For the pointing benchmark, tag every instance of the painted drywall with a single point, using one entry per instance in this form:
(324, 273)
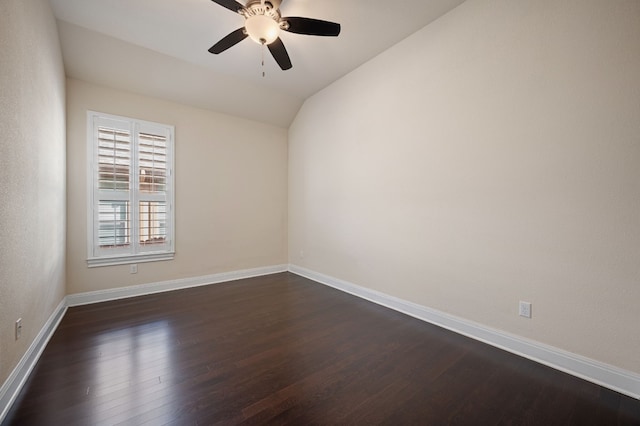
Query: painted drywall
(231, 190)
(93, 56)
(32, 174)
(489, 158)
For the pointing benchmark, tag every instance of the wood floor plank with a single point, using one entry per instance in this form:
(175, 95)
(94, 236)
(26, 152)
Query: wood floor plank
(281, 349)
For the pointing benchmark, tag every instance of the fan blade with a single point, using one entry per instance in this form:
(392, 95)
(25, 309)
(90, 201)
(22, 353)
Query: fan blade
(230, 4)
(280, 54)
(312, 26)
(230, 40)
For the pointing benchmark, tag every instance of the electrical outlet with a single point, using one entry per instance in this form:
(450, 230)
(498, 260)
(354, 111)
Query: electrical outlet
(525, 309)
(133, 269)
(18, 328)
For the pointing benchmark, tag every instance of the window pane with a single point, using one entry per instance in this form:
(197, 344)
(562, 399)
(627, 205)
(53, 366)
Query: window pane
(152, 153)
(114, 159)
(153, 222)
(113, 224)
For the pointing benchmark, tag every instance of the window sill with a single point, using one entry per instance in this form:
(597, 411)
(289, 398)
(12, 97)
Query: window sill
(95, 262)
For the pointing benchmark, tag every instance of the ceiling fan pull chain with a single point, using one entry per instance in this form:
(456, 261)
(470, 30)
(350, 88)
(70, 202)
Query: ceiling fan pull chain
(262, 51)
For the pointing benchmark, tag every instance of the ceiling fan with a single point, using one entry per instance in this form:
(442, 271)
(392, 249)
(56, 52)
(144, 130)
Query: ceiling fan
(263, 24)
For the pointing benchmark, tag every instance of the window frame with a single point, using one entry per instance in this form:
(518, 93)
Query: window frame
(136, 252)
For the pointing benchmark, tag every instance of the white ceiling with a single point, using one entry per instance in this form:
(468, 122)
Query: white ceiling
(159, 48)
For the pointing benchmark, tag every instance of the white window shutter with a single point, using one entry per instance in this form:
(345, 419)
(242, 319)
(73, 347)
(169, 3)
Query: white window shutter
(131, 185)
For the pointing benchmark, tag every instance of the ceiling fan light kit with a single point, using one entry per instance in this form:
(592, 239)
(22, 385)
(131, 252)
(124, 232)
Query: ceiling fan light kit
(262, 29)
(263, 24)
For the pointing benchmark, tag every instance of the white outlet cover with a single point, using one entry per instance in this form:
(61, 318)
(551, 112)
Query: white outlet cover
(18, 328)
(525, 309)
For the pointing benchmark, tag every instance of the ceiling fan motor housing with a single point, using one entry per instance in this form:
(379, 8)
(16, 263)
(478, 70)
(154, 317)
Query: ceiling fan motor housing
(268, 8)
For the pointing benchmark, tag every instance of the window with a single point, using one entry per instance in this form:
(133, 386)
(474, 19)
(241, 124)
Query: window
(130, 214)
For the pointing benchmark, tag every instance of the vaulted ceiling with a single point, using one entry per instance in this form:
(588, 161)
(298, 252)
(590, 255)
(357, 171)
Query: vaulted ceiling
(160, 48)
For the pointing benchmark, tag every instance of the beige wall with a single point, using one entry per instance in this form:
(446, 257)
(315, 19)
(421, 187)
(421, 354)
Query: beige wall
(32, 174)
(492, 157)
(231, 190)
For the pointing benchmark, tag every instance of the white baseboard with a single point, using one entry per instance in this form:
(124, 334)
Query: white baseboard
(12, 386)
(159, 287)
(623, 381)
(16, 380)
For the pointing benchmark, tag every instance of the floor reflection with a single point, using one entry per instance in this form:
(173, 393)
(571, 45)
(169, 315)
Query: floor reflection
(132, 372)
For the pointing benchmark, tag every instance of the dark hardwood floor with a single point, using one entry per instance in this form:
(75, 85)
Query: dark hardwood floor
(281, 349)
